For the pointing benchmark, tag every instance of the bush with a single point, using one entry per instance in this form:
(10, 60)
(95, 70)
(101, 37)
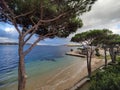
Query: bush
(109, 79)
(118, 60)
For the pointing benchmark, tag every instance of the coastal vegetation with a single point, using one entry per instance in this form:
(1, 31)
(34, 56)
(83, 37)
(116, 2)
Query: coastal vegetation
(43, 18)
(107, 78)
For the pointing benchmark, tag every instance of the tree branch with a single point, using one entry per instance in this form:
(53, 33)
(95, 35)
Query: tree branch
(12, 14)
(44, 21)
(53, 19)
(25, 14)
(32, 20)
(15, 24)
(29, 36)
(12, 20)
(4, 3)
(32, 28)
(34, 44)
(1, 11)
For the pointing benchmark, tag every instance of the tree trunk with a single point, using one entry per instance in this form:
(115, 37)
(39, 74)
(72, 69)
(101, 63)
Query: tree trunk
(105, 53)
(21, 66)
(89, 69)
(111, 51)
(115, 54)
(88, 64)
(90, 58)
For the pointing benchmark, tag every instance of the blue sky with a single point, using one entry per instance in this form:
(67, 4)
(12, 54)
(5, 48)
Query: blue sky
(104, 14)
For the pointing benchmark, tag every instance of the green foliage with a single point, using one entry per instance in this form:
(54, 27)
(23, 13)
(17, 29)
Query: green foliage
(108, 79)
(45, 10)
(92, 36)
(111, 39)
(118, 59)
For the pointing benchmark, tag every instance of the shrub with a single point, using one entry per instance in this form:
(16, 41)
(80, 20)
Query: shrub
(118, 60)
(109, 79)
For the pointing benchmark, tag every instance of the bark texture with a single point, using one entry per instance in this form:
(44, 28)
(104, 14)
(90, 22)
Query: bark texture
(21, 66)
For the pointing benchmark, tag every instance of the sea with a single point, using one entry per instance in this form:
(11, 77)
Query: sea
(41, 63)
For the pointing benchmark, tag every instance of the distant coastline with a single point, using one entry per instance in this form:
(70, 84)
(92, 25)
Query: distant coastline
(16, 43)
(12, 43)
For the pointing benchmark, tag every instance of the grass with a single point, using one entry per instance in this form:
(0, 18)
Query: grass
(102, 57)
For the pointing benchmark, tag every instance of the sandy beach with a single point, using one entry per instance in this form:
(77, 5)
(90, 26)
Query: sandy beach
(72, 75)
(63, 78)
(58, 80)
(68, 77)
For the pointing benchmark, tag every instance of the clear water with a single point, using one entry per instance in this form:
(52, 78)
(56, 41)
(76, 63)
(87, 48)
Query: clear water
(40, 62)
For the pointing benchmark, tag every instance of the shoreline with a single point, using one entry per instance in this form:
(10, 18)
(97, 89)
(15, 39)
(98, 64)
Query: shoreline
(74, 77)
(60, 79)
(64, 78)
(67, 78)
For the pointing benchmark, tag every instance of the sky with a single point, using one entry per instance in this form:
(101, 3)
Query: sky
(104, 14)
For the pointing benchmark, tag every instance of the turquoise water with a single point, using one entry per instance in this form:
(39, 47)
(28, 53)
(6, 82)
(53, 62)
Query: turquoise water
(42, 61)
